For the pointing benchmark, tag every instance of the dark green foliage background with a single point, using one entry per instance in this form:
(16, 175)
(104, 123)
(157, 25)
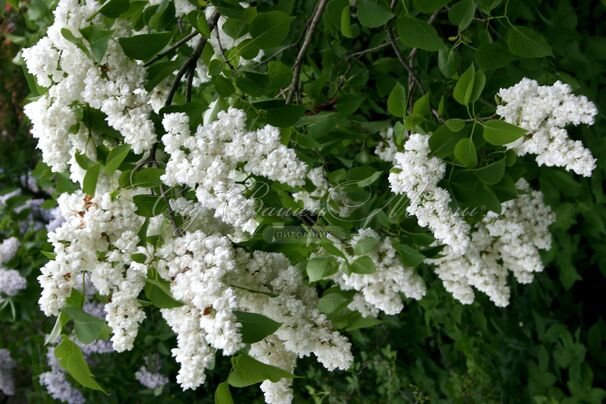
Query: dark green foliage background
(547, 346)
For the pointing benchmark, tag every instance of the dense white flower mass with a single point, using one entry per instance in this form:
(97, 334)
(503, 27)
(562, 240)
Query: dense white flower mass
(7, 364)
(545, 111)
(416, 175)
(113, 86)
(97, 239)
(501, 243)
(218, 158)
(214, 279)
(381, 290)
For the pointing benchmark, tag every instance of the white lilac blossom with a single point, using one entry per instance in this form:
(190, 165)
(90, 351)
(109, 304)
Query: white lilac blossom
(209, 161)
(8, 249)
(272, 352)
(11, 283)
(381, 290)
(213, 279)
(312, 200)
(97, 239)
(545, 111)
(150, 380)
(56, 384)
(114, 86)
(501, 243)
(7, 364)
(416, 175)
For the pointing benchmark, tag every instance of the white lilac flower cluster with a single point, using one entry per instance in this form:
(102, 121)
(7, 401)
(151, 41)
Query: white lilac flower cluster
(416, 174)
(11, 281)
(114, 86)
(501, 243)
(7, 364)
(545, 111)
(218, 158)
(480, 256)
(97, 238)
(213, 279)
(383, 289)
(56, 384)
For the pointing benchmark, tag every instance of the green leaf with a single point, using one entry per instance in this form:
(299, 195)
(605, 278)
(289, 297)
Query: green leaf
(346, 22)
(491, 174)
(62, 319)
(499, 132)
(321, 267)
(362, 322)
(71, 359)
(396, 103)
(113, 8)
(465, 152)
(372, 14)
(83, 161)
(159, 71)
(429, 6)
(284, 116)
(147, 177)
(486, 197)
(158, 292)
(330, 302)
(255, 326)
(479, 82)
(88, 328)
(144, 46)
(490, 56)
(448, 62)
(67, 34)
(149, 205)
(409, 256)
(455, 124)
(89, 184)
(363, 265)
(415, 33)
(98, 40)
(463, 90)
(115, 157)
(422, 105)
(223, 395)
(270, 29)
(462, 13)
(365, 245)
(525, 42)
(247, 371)
(443, 141)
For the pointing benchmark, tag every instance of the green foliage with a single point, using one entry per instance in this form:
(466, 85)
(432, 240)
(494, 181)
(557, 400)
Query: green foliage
(546, 347)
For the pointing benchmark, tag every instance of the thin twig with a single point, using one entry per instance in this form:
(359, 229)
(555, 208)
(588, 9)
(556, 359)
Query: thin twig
(294, 84)
(223, 51)
(192, 61)
(169, 50)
